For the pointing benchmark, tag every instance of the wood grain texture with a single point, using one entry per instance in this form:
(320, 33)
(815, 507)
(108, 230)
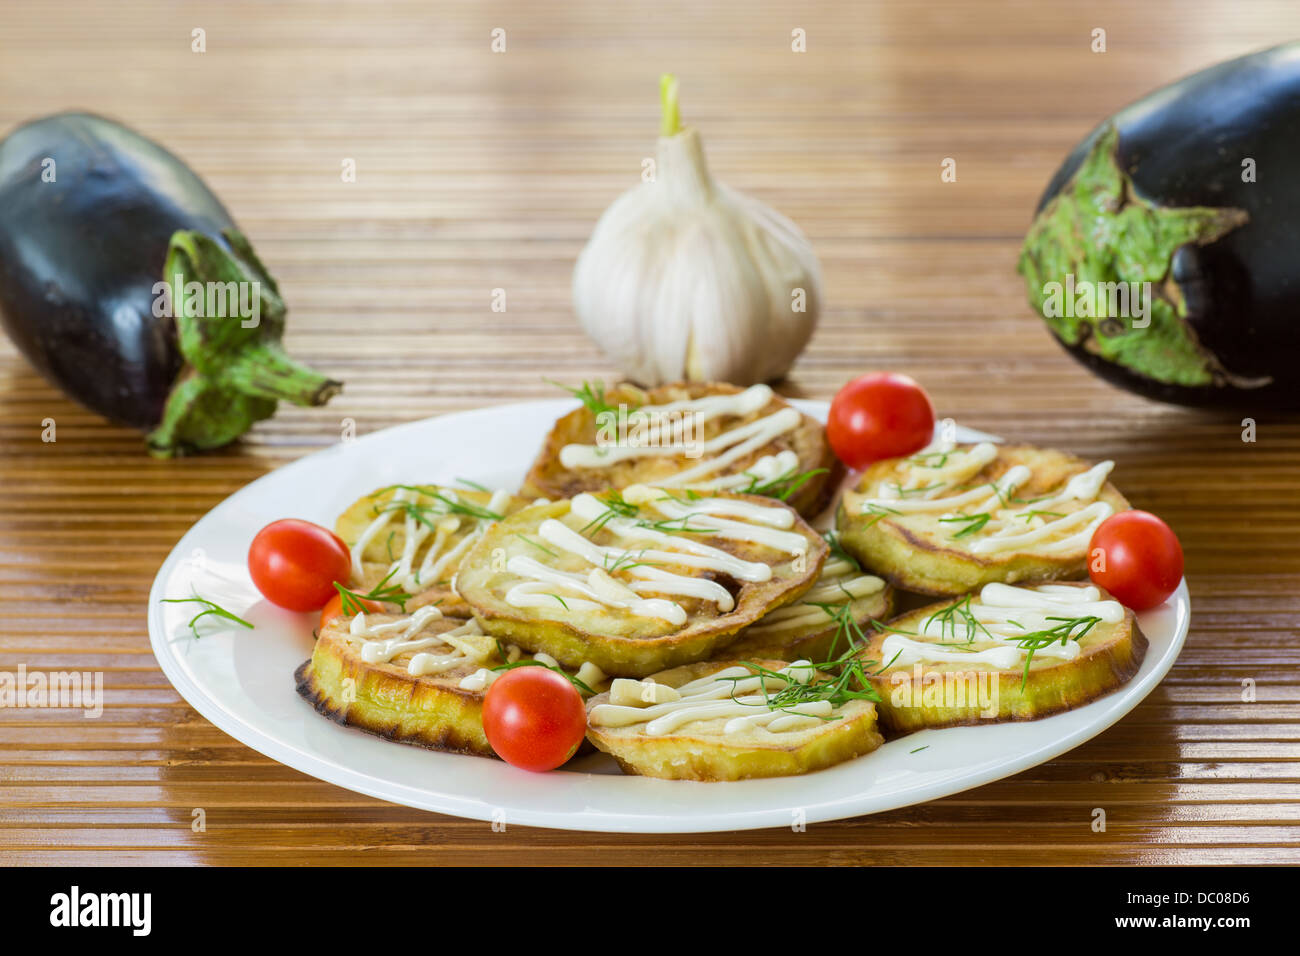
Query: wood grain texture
(479, 171)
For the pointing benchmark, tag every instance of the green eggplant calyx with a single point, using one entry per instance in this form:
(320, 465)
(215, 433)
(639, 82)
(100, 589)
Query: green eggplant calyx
(1097, 266)
(229, 321)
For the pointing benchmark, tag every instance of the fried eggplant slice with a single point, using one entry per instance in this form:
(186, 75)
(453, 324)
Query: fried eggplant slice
(732, 720)
(417, 679)
(638, 580)
(1006, 653)
(413, 537)
(951, 519)
(820, 626)
(709, 437)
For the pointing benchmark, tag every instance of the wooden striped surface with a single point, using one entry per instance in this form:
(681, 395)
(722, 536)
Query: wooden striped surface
(479, 171)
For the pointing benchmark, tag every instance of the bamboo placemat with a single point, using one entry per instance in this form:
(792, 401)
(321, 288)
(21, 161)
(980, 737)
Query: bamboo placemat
(479, 171)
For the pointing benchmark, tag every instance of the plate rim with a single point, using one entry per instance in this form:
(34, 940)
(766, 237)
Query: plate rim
(1122, 701)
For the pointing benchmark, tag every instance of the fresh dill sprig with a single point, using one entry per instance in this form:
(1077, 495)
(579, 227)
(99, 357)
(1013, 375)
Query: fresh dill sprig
(837, 689)
(680, 525)
(473, 485)
(352, 602)
(955, 615)
(914, 492)
(837, 549)
(627, 561)
(782, 486)
(888, 664)
(923, 459)
(878, 511)
(1028, 501)
(615, 507)
(684, 495)
(442, 506)
(847, 627)
(209, 607)
(997, 490)
(973, 523)
(889, 629)
(592, 395)
(846, 679)
(958, 616)
(1032, 514)
(1007, 501)
(540, 547)
(464, 508)
(1062, 632)
(558, 598)
(571, 678)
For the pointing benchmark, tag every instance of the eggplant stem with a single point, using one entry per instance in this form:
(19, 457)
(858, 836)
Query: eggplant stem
(267, 372)
(671, 120)
(236, 369)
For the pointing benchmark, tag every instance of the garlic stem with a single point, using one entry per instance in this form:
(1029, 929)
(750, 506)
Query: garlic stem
(671, 123)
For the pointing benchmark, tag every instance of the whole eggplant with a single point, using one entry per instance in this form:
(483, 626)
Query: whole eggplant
(1193, 190)
(104, 239)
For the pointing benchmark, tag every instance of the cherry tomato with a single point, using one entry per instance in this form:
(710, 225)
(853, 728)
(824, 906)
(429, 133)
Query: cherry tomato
(534, 718)
(1137, 558)
(335, 608)
(880, 415)
(295, 564)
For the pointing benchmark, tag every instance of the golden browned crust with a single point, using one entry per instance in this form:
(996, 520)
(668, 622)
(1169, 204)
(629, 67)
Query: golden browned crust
(1110, 656)
(926, 563)
(432, 711)
(620, 644)
(711, 757)
(548, 478)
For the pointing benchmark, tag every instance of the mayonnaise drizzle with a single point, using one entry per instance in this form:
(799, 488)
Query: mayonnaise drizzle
(740, 702)
(684, 549)
(1006, 614)
(598, 588)
(1012, 526)
(481, 679)
(653, 579)
(765, 469)
(466, 644)
(597, 585)
(755, 435)
(484, 677)
(461, 645)
(437, 558)
(727, 446)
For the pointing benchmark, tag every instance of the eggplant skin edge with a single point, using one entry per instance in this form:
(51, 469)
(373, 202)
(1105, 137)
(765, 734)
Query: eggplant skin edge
(1180, 208)
(94, 219)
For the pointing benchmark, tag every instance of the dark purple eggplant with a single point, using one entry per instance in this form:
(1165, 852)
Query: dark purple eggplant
(98, 226)
(1195, 190)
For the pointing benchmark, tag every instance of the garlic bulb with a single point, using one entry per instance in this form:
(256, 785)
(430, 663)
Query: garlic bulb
(685, 278)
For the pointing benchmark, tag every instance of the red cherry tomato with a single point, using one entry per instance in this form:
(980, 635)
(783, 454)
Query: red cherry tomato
(534, 718)
(1137, 558)
(335, 608)
(295, 564)
(881, 415)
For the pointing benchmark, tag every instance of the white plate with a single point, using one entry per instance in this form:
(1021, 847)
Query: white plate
(243, 682)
